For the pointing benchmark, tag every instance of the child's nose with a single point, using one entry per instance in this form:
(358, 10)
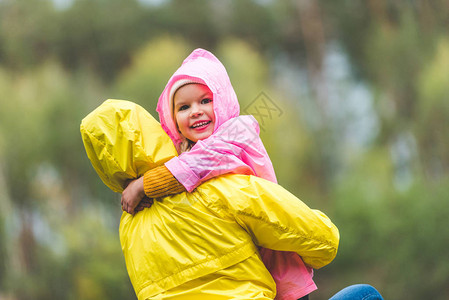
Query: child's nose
(196, 111)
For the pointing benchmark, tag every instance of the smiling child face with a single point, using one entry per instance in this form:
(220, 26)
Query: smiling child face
(194, 111)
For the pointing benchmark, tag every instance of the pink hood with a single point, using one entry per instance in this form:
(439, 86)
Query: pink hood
(203, 66)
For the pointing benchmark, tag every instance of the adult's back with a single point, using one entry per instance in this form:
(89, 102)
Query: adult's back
(202, 243)
(179, 244)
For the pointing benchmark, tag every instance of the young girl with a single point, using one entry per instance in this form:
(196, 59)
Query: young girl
(199, 110)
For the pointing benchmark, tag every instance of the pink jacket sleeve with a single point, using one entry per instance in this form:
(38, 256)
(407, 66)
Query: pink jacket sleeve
(235, 147)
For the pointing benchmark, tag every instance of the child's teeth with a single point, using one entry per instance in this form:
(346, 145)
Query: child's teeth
(199, 124)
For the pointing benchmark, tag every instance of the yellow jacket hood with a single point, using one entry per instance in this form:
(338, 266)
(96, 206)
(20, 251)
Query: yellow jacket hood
(116, 146)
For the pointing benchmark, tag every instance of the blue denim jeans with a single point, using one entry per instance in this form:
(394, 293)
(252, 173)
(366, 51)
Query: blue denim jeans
(357, 292)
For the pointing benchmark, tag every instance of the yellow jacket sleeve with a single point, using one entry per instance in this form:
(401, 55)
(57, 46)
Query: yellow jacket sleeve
(275, 218)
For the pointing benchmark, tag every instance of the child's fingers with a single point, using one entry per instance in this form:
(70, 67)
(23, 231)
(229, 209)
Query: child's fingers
(145, 203)
(125, 206)
(123, 203)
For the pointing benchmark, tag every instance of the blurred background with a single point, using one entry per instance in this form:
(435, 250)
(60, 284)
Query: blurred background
(351, 96)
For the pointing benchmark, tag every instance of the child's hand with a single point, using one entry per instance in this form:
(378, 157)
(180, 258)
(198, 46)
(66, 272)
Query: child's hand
(145, 203)
(132, 195)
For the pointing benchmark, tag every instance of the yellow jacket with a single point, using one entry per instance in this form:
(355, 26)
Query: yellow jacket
(201, 245)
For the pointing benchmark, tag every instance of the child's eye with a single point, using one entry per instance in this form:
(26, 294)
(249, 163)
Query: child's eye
(205, 101)
(183, 107)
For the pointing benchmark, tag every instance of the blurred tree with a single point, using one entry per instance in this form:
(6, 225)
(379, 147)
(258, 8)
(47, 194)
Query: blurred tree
(192, 19)
(48, 181)
(27, 32)
(246, 68)
(433, 113)
(102, 34)
(151, 68)
(391, 44)
(4, 248)
(252, 22)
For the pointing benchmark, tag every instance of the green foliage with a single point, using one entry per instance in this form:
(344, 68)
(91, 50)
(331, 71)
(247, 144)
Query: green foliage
(394, 237)
(82, 260)
(101, 34)
(46, 170)
(3, 255)
(433, 107)
(246, 68)
(151, 67)
(434, 85)
(27, 32)
(97, 265)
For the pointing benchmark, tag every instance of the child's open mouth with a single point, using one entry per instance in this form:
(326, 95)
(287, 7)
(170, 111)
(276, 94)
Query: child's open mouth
(201, 124)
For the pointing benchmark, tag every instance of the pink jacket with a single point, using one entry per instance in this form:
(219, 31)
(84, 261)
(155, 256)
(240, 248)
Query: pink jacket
(234, 147)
